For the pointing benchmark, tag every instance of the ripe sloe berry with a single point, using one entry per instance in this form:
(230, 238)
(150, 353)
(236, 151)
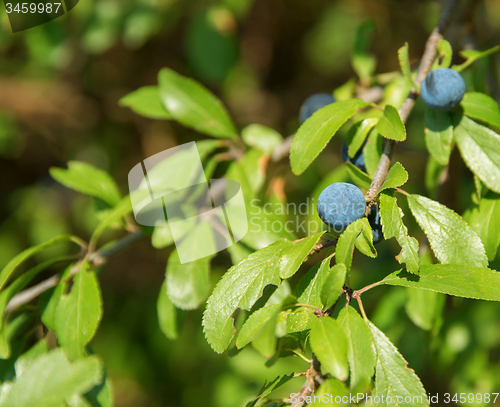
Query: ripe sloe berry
(340, 204)
(442, 89)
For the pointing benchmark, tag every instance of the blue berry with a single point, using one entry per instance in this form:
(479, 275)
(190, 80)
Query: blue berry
(374, 221)
(340, 204)
(314, 103)
(442, 89)
(358, 160)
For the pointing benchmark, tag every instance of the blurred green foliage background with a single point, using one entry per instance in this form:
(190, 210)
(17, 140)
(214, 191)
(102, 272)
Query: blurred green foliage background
(59, 89)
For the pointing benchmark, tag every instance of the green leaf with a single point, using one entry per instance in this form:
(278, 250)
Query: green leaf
(49, 300)
(424, 307)
(329, 344)
(261, 137)
(460, 281)
(12, 266)
(26, 359)
(393, 377)
(308, 289)
(146, 102)
(328, 393)
(472, 56)
(187, 284)
(167, 314)
(479, 148)
(364, 242)
(194, 106)
(78, 313)
(390, 125)
(362, 62)
(357, 135)
(451, 239)
(242, 286)
(260, 329)
(480, 107)
(485, 221)
(361, 354)
(393, 226)
(298, 324)
(345, 244)
(51, 379)
(332, 285)
(404, 62)
(360, 178)
(372, 151)
(77, 401)
(396, 176)
(89, 180)
(293, 255)
(445, 54)
(438, 135)
(313, 136)
(162, 237)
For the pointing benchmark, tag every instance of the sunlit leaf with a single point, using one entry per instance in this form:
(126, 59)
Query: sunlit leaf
(461, 281)
(329, 344)
(451, 239)
(242, 286)
(334, 282)
(481, 107)
(393, 378)
(193, 105)
(146, 102)
(361, 354)
(485, 221)
(89, 180)
(393, 226)
(78, 313)
(313, 136)
(390, 125)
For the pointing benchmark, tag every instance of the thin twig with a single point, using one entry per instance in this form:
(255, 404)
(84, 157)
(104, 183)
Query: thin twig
(29, 294)
(96, 259)
(404, 112)
(364, 289)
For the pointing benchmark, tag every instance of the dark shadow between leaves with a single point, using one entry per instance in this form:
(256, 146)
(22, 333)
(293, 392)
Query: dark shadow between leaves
(409, 276)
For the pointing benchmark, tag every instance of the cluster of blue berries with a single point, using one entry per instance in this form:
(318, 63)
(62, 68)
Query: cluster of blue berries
(341, 203)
